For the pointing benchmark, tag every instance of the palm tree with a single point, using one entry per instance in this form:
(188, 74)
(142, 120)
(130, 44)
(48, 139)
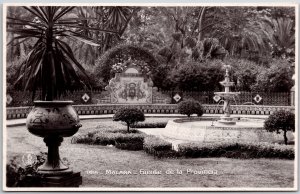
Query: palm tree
(239, 30)
(110, 18)
(85, 52)
(51, 65)
(281, 35)
(117, 20)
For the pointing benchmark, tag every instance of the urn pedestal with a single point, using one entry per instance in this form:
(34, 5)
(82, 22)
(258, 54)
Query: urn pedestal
(53, 120)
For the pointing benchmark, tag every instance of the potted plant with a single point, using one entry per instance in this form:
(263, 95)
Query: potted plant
(50, 68)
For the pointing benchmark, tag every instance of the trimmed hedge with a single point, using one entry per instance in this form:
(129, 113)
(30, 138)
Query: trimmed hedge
(236, 150)
(150, 125)
(129, 142)
(158, 147)
(119, 138)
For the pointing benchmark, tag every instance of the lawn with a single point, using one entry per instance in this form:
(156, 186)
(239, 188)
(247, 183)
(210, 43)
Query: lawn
(93, 161)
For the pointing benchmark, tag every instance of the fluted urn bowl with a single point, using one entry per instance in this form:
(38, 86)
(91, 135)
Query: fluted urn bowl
(53, 120)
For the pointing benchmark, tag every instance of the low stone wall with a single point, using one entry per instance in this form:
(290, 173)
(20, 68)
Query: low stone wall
(98, 109)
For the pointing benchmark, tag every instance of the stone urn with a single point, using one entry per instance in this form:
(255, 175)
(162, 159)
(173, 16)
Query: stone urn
(53, 120)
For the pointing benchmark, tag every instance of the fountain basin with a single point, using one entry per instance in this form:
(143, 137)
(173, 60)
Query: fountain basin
(209, 131)
(227, 120)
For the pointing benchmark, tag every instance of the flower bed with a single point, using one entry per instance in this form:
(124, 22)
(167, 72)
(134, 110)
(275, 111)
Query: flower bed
(236, 150)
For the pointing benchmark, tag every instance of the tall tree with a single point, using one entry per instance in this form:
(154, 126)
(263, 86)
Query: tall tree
(281, 35)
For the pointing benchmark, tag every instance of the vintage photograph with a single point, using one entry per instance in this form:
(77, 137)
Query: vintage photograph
(143, 97)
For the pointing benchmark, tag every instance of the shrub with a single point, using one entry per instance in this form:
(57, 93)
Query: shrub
(189, 107)
(150, 125)
(104, 138)
(129, 116)
(190, 42)
(119, 138)
(236, 150)
(129, 141)
(198, 76)
(277, 78)
(244, 73)
(212, 49)
(84, 139)
(177, 36)
(281, 120)
(18, 176)
(158, 147)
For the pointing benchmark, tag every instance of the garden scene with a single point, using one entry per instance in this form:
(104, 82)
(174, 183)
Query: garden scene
(154, 98)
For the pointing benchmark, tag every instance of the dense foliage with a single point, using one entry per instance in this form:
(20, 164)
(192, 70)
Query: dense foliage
(189, 107)
(17, 175)
(281, 121)
(236, 150)
(277, 78)
(158, 147)
(129, 116)
(150, 125)
(118, 138)
(181, 46)
(50, 64)
(121, 54)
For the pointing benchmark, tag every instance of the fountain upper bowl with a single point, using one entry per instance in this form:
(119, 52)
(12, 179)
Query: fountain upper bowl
(227, 93)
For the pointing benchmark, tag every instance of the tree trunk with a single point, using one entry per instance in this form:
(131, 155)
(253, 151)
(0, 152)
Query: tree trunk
(285, 137)
(200, 24)
(128, 127)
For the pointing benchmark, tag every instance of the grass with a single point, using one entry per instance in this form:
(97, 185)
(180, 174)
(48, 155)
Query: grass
(252, 173)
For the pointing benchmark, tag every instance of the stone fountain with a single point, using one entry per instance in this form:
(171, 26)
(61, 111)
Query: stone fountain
(225, 129)
(228, 97)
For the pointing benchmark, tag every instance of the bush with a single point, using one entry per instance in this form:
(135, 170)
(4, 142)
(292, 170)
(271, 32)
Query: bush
(18, 176)
(150, 125)
(277, 78)
(189, 107)
(281, 120)
(119, 138)
(190, 42)
(236, 150)
(198, 76)
(177, 36)
(244, 73)
(158, 147)
(129, 142)
(129, 116)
